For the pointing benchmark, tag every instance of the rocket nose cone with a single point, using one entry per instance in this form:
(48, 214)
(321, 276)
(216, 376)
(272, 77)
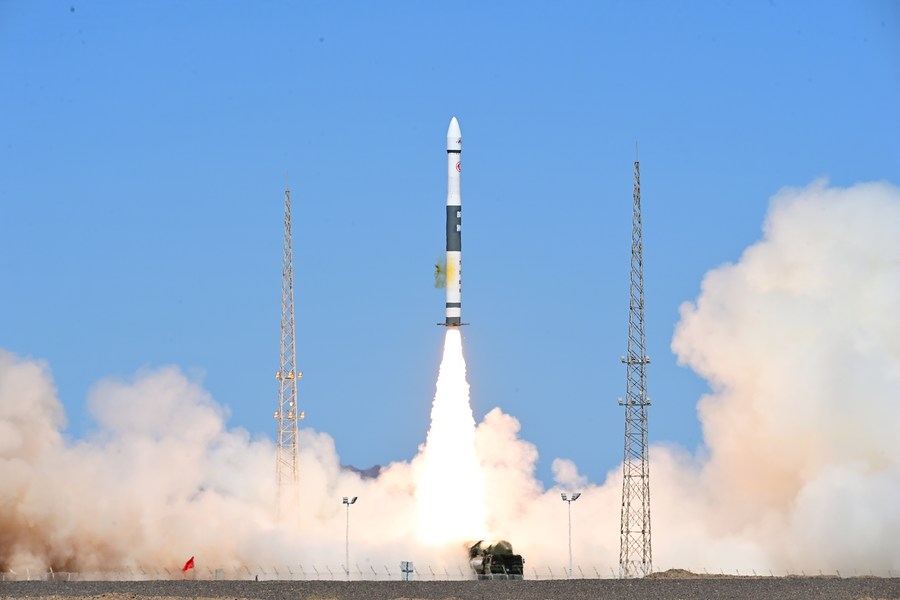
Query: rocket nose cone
(453, 130)
(454, 137)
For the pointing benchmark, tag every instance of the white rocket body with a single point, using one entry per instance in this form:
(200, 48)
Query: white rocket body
(454, 227)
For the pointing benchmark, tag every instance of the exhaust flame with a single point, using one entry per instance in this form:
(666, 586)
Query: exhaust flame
(450, 493)
(800, 469)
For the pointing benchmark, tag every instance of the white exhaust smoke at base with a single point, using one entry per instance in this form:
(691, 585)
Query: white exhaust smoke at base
(800, 471)
(450, 491)
(800, 343)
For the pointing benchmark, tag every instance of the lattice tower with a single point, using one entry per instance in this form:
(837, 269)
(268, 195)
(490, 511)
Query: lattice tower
(635, 555)
(287, 468)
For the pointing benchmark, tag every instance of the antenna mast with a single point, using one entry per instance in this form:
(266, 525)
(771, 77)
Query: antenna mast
(287, 467)
(635, 555)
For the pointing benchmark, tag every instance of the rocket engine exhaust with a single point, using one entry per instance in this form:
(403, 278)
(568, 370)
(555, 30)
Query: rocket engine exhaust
(450, 486)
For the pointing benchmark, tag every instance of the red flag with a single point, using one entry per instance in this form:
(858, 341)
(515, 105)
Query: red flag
(188, 565)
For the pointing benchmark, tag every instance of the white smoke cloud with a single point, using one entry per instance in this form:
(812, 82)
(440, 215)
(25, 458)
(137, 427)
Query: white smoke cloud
(800, 470)
(800, 341)
(565, 474)
(148, 488)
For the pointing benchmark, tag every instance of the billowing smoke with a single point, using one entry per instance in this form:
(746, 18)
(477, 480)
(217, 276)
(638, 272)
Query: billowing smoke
(800, 343)
(800, 470)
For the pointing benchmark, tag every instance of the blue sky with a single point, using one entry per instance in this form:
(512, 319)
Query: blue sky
(144, 148)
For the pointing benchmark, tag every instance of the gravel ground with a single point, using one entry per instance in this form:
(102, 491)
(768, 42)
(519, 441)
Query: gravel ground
(869, 588)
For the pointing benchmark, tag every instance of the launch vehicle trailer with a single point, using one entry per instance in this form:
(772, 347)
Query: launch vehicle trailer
(496, 561)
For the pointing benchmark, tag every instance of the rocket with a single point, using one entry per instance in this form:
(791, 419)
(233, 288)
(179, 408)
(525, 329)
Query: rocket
(454, 228)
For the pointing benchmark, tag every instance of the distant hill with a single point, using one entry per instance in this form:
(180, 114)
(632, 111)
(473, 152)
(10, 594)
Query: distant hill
(370, 473)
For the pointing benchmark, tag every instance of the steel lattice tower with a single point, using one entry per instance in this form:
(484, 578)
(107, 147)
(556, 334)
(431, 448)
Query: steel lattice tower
(287, 466)
(635, 555)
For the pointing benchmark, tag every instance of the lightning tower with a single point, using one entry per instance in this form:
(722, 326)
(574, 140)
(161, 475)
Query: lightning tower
(635, 555)
(287, 468)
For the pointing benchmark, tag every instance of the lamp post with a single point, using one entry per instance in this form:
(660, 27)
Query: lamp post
(569, 501)
(348, 502)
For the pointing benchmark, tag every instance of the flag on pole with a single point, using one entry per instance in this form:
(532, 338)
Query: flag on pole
(188, 565)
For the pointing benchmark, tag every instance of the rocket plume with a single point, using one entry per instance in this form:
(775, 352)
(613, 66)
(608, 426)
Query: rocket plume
(450, 493)
(800, 468)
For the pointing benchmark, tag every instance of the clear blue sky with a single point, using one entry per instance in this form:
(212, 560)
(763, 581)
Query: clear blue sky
(144, 147)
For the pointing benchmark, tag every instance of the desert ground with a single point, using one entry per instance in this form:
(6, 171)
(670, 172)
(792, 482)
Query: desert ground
(674, 586)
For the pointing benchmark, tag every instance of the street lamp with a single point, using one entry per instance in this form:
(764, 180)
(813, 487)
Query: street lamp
(568, 500)
(348, 502)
